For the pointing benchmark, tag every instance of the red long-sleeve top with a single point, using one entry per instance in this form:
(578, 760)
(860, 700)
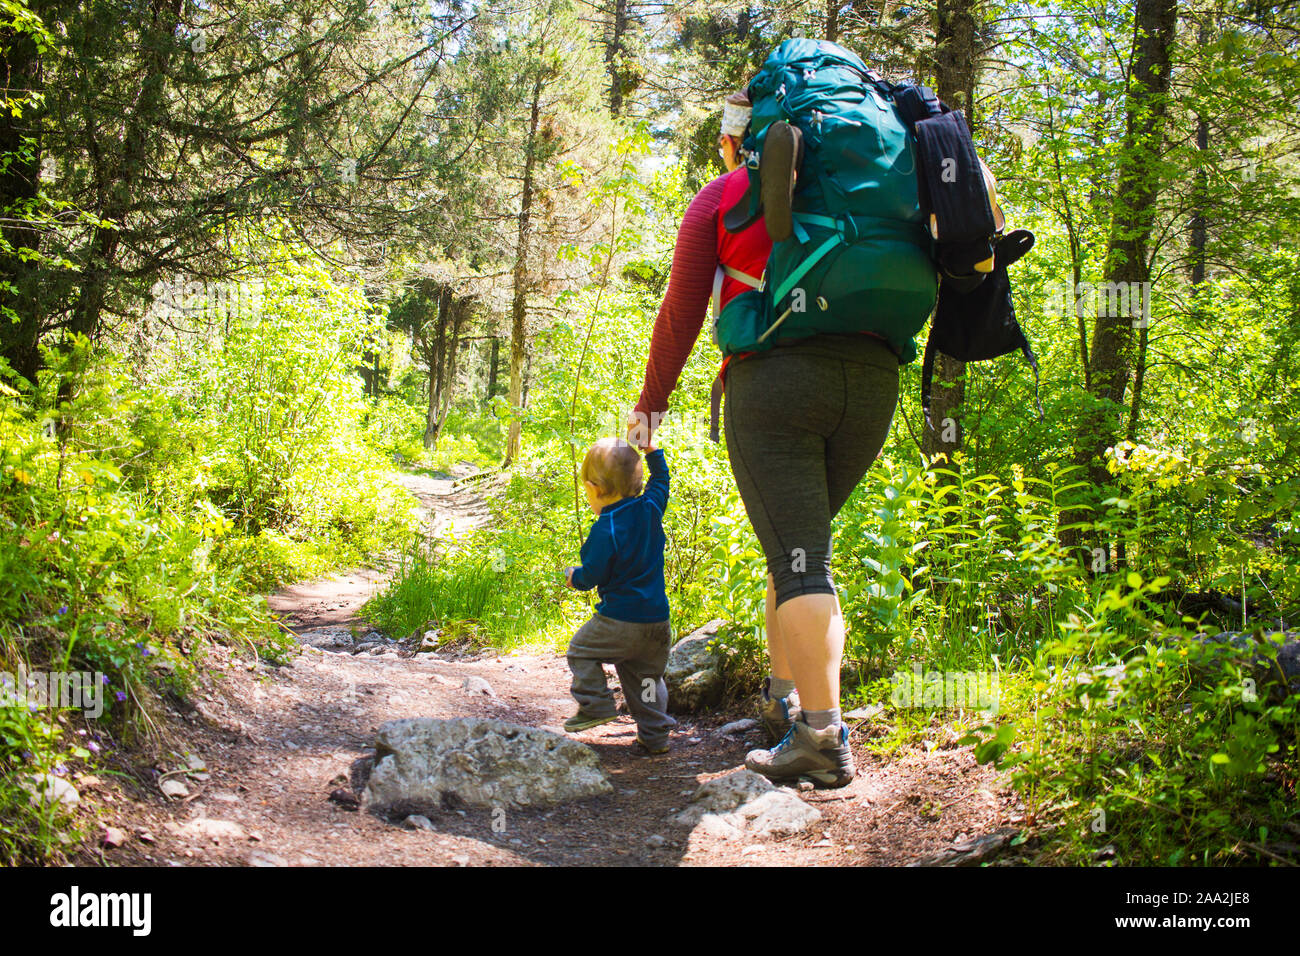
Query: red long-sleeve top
(702, 244)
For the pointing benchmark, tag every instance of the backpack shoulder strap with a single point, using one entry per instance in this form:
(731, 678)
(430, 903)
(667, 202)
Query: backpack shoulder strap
(914, 101)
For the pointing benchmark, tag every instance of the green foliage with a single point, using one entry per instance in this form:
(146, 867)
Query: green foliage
(468, 594)
(1147, 739)
(137, 523)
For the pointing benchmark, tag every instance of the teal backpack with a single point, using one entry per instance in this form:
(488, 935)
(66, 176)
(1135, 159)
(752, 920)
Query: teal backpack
(861, 257)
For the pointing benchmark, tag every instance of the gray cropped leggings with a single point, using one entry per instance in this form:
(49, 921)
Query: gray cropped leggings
(804, 421)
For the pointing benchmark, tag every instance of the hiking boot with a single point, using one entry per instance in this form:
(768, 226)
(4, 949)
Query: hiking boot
(774, 712)
(581, 721)
(782, 153)
(821, 756)
(655, 750)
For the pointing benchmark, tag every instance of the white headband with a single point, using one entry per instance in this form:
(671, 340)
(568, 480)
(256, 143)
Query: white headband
(734, 119)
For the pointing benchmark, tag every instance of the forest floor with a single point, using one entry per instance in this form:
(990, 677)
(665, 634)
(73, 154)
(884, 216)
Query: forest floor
(265, 747)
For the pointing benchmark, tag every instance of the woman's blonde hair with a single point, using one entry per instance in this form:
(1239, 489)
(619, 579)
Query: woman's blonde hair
(612, 465)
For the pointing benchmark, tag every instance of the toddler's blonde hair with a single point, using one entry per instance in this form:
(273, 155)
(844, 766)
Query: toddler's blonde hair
(611, 465)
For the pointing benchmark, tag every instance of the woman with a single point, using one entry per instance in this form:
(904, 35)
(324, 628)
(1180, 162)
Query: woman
(804, 421)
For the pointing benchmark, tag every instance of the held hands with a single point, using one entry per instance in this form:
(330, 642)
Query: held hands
(639, 431)
(568, 577)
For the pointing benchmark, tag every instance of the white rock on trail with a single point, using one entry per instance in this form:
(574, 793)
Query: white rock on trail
(738, 726)
(264, 859)
(743, 803)
(207, 828)
(483, 762)
(46, 790)
(174, 788)
(477, 685)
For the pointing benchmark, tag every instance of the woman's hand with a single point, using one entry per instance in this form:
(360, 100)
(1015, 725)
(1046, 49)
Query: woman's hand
(640, 431)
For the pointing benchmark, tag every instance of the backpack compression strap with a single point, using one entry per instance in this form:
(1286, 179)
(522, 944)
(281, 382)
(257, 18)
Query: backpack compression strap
(715, 393)
(841, 225)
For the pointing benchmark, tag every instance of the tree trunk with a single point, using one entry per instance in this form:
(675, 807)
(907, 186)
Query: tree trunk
(833, 20)
(1138, 187)
(1201, 189)
(101, 259)
(449, 379)
(494, 360)
(437, 348)
(613, 55)
(519, 301)
(955, 69)
(19, 184)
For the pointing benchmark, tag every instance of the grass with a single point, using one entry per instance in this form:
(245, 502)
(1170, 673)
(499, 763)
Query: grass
(465, 594)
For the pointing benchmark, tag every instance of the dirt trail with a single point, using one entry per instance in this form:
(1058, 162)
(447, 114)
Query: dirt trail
(274, 743)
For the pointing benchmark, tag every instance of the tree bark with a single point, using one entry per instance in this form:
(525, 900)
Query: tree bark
(519, 300)
(1137, 191)
(1201, 188)
(614, 51)
(494, 360)
(449, 379)
(132, 161)
(435, 353)
(955, 71)
(19, 184)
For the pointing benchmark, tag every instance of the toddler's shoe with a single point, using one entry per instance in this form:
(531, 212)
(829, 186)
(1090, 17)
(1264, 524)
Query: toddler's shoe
(653, 750)
(581, 721)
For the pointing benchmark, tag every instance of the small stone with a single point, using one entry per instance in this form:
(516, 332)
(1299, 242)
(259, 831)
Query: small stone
(417, 822)
(738, 726)
(477, 685)
(865, 713)
(460, 860)
(47, 789)
(113, 837)
(173, 788)
(205, 828)
(264, 859)
(345, 798)
(656, 840)
(805, 786)
(144, 836)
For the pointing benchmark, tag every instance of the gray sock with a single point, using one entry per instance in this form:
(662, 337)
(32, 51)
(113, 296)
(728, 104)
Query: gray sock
(821, 719)
(780, 687)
